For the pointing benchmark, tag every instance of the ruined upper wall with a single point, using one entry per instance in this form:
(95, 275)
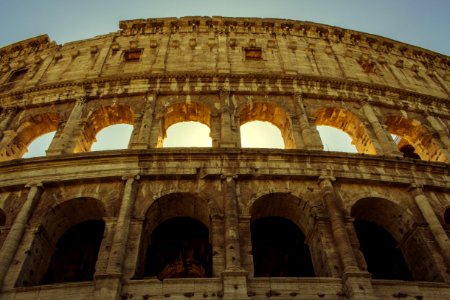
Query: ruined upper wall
(219, 45)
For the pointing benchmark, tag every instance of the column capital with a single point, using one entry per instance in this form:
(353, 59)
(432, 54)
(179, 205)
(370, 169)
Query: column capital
(326, 180)
(228, 177)
(34, 184)
(415, 189)
(136, 176)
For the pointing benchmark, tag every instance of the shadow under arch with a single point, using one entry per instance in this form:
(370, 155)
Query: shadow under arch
(2, 218)
(101, 118)
(264, 111)
(67, 244)
(349, 123)
(176, 240)
(416, 135)
(391, 242)
(182, 112)
(16, 141)
(278, 225)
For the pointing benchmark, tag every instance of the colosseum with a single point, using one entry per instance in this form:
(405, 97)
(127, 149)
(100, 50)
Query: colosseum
(225, 222)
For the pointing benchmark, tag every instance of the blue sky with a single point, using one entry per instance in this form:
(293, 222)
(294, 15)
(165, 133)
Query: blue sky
(417, 22)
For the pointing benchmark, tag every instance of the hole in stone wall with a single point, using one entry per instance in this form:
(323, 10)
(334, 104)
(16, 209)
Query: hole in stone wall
(334, 139)
(187, 134)
(132, 55)
(179, 248)
(76, 254)
(384, 260)
(259, 134)
(113, 137)
(17, 75)
(253, 53)
(39, 146)
(279, 249)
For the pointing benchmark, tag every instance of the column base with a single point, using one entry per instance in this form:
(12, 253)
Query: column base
(234, 284)
(358, 284)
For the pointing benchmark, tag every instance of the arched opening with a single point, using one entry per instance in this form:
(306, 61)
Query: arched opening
(258, 134)
(380, 225)
(384, 260)
(414, 140)
(278, 222)
(16, 142)
(350, 124)
(113, 137)
(39, 146)
(67, 244)
(100, 119)
(267, 112)
(2, 218)
(279, 249)
(76, 254)
(179, 248)
(176, 238)
(334, 139)
(185, 114)
(187, 134)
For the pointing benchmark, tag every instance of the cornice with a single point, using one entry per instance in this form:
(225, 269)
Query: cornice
(287, 81)
(34, 44)
(229, 25)
(303, 165)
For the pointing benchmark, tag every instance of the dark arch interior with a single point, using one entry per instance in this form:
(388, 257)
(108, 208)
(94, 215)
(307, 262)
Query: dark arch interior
(409, 151)
(76, 254)
(2, 218)
(384, 260)
(447, 216)
(279, 249)
(179, 248)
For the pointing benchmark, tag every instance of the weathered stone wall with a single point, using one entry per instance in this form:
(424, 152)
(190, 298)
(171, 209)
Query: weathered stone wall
(224, 72)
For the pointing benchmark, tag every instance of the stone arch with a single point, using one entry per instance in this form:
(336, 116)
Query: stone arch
(348, 122)
(279, 224)
(384, 215)
(415, 134)
(101, 118)
(85, 214)
(182, 112)
(16, 141)
(191, 242)
(269, 112)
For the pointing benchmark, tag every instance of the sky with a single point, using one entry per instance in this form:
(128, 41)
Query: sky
(418, 22)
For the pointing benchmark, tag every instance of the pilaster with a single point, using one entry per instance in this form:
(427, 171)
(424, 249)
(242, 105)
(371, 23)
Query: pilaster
(311, 137)
(17, 230)
(144, 124)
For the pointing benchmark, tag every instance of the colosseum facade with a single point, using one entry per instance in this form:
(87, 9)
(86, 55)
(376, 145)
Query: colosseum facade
(225, 222)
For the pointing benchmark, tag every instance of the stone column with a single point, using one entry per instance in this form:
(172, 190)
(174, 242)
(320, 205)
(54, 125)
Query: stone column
(65, 141)
(311, 137)
(6, 117)
(145, 125)
(109, 285)
(357, 283)
(234, 277)
(227, 134)
(338, 228)
(119, 245)
(385, 140)
(441, 130)
(433, 222)
(17, 230)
